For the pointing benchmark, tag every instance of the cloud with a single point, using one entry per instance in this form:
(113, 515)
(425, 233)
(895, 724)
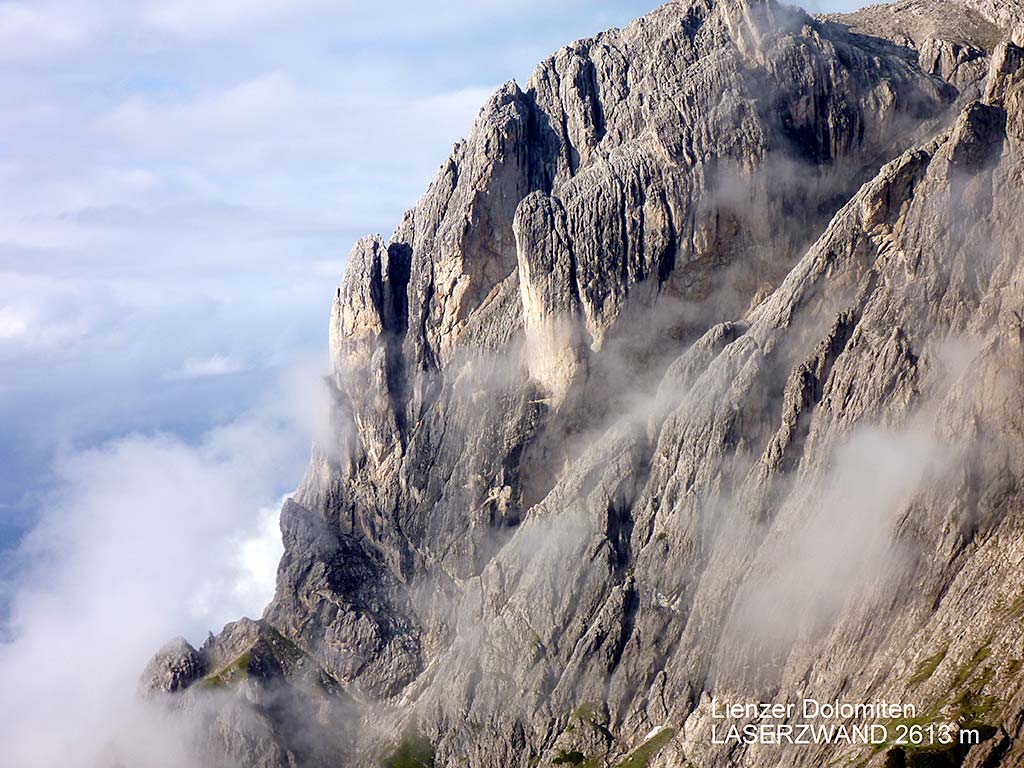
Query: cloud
(250, 580)
(204, 367)
(199, 18)
(831, 6)
(27, 327)
(144, 538)
(34, 31)
(835, 538)
(168, 124)
(14, 323)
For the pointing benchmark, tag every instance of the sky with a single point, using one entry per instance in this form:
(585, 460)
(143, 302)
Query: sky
(181, 181)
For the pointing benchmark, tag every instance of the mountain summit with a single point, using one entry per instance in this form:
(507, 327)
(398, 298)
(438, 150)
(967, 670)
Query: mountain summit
(696, 376)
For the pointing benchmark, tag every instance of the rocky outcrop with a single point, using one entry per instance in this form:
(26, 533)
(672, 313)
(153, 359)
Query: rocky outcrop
(174, 668)
(693, 374)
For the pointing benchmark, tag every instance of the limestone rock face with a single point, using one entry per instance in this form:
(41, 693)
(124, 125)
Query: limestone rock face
(174, 667)
(696, 372)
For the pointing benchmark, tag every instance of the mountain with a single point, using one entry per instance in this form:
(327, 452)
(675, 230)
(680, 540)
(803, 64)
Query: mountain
(696, 376)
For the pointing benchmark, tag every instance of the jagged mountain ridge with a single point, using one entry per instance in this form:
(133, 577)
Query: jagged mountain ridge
(708, 295)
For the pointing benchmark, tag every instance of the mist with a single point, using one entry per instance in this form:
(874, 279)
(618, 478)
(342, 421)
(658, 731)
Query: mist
(144, 538)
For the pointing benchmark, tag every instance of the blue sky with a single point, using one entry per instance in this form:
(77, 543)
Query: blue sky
(181, 181)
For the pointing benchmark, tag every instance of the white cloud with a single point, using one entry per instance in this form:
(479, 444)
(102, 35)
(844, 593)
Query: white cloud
(250, 577)
(197, 18)
(832, 6)
(247, 109)
(39, 31)
(27, 327)
(205, 367)
(257, 559)
(144, 539)
(834, 537)
(14, 323)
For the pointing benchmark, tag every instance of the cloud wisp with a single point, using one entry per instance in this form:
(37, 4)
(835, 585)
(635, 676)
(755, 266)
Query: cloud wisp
(145, 538)
(203, 367)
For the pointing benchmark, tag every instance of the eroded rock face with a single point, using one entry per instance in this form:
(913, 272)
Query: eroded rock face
(694, 373)
(174, 668)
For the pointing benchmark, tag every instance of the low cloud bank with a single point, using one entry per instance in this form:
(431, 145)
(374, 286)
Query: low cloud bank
(147, 537)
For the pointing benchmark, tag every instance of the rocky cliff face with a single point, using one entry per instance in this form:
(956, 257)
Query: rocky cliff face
(697, 372)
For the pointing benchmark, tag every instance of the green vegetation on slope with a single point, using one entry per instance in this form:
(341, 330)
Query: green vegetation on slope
(414, 751)
(569, 758)
(641, 756)
(927, 667)
(230, 674)
(968, 668)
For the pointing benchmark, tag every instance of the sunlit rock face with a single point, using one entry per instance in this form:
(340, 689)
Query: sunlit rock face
(696, 373)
